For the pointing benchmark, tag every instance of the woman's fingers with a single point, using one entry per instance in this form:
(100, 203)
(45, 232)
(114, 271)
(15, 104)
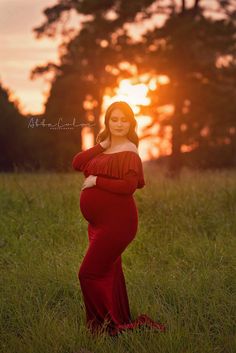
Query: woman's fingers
(89, 182)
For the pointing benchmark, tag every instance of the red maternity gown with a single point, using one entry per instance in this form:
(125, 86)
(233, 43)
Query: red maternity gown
(112, 216)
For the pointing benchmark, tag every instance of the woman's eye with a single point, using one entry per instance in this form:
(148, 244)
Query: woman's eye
(124, 120)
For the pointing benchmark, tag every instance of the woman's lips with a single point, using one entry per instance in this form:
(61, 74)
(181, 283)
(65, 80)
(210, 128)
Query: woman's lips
(119, 129)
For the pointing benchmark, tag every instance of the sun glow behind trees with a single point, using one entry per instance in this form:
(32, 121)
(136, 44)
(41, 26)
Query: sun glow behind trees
(134, 91)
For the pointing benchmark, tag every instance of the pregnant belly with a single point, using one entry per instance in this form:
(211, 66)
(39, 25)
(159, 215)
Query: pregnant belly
(100, 206)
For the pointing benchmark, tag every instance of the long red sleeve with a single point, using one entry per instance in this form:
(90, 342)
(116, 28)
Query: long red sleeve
(128, 185)
(81, 158)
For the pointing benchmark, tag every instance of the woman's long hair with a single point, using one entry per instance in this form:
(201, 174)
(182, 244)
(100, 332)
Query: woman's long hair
(128, 112)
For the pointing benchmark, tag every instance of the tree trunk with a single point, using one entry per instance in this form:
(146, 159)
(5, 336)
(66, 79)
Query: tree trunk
(176, 156)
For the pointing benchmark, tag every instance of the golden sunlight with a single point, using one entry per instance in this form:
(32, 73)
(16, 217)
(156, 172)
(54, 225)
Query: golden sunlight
(133, 94)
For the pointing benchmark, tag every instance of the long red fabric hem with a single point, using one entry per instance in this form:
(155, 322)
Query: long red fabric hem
(143, 320)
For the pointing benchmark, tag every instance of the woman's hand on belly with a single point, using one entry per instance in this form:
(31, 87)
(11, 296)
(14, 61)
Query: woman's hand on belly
(89, 182)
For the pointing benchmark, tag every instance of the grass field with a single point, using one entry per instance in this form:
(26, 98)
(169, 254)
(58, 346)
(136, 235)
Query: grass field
(180, 269)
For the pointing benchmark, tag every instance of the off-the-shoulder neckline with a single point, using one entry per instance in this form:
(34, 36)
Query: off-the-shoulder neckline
(120, 152)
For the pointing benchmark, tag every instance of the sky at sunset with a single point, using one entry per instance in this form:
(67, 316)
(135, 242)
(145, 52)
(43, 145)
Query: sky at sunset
(21, 52)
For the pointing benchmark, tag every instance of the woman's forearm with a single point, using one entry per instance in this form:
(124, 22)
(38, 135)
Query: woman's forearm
(120, 186)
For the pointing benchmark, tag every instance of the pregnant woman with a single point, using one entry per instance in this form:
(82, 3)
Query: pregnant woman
(113, 171)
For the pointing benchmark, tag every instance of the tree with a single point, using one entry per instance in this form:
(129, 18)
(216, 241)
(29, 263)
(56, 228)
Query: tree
(11, 133)
(186, 49)
(84, 72)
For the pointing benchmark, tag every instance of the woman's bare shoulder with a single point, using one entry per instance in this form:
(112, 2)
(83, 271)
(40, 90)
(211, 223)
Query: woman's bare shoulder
(130, 146)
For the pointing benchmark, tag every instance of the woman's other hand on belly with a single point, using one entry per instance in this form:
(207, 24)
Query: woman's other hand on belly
(89, 182)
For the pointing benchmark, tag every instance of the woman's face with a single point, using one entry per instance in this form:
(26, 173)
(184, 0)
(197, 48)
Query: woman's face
(119, 124)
